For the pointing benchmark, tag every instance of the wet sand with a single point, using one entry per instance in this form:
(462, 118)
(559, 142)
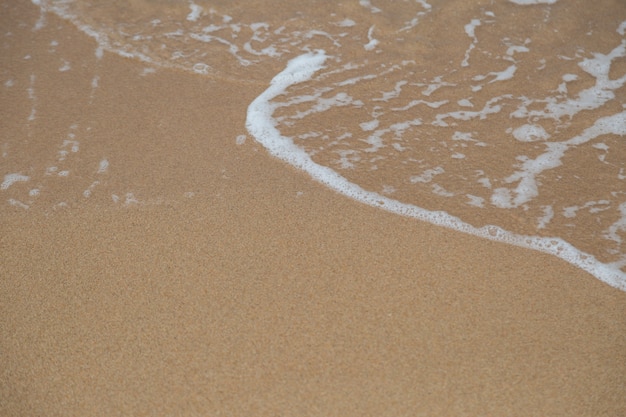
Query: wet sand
(235, 285)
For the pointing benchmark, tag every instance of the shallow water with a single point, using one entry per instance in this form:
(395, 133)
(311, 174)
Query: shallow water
(497, 118)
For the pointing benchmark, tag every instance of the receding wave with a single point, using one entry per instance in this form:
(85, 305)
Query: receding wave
(503, 119)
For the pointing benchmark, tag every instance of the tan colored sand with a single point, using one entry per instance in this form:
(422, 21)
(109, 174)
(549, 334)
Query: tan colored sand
(262, 293)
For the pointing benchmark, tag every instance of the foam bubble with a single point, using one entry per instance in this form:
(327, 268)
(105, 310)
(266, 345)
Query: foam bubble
(103, 166)
(10, 179)
(372, 41)
(530, 133)
(195, 12)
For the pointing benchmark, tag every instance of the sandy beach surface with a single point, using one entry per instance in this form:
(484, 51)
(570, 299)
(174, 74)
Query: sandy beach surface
(199, 276)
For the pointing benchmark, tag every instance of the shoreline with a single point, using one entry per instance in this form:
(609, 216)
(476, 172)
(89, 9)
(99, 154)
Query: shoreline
(231, 283)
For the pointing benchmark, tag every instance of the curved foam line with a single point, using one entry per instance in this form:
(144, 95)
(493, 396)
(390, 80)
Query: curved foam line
(260, 124)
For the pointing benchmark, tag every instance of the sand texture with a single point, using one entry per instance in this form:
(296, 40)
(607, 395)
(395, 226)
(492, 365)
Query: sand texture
(201, 277)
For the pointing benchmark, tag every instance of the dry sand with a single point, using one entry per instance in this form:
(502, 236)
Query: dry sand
(262, 293)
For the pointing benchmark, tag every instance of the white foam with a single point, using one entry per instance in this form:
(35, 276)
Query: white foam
(475, 201)
(41, 22)
(570, 212)
(440, 191)
(424, 4)
(529, 2)
(527, 187)
(346, 23)
(389, 137)
(372, 41)
(490, 108)
(371, 125)
(195, 12)
(103, 166)
(619, 226)
(588, 99)
(515, 49)
(65, 67)
(530, 133)
(413, 103)
(569, 77)
(426, 176)
(368, 4)
(31, 95)
(10, 179)
(470, 30)
(62, 10)
(548, 215)
(262, 127)
(89, 191)
(17, 203)
(506, 74)
(387, 95)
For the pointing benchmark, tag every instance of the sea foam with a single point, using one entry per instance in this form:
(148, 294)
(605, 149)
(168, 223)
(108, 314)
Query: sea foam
(261, 124)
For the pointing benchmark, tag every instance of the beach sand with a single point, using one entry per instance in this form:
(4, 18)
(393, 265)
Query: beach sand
(225, 282)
